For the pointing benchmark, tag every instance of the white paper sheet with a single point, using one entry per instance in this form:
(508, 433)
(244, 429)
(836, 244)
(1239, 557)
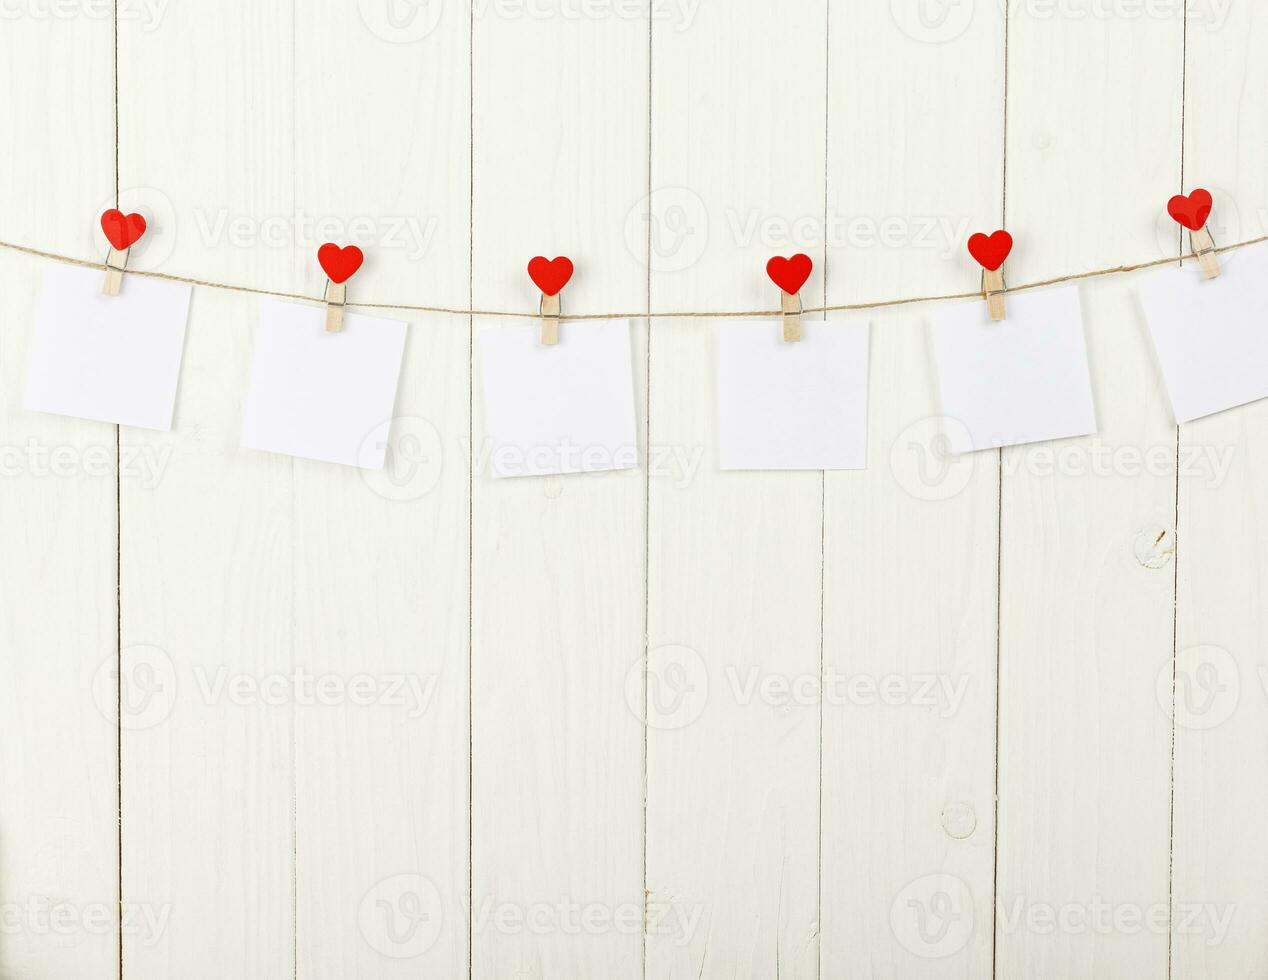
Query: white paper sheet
(792, 406)
(319, 395)
(1022, 380)
(107, 358)
(568, 408)
(1211, 335)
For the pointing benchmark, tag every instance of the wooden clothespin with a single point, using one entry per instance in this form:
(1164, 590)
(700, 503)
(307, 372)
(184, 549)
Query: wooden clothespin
(990, 251)
(1192, 212)
(339, 264)
(790, 274)
(550, 276)
(122, 231)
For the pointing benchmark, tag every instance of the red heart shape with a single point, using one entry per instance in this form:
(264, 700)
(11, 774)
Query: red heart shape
(991, 250)
(339, 263)
(1191, 211)
(550, 275)
(789, 274)
(122, 230)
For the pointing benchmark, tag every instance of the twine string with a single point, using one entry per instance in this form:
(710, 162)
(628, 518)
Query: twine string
(661, 314)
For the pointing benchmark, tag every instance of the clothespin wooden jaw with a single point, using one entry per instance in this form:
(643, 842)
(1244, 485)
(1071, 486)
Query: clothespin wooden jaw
(790, 304)
(990, 251)
(790, 274)
(116, 262)
(550, 276)
(993, 289)
(550, 312)
(1192, 211)
(339, 264)
(1204, 249)
(336, 299)
(122, 231)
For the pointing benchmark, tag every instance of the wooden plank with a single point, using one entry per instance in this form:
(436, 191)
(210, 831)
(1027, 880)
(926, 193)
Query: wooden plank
(560, 157)
(1220, 924)
(381, 559)
(910, 557)
(58, 730)
(1087, 594)
(208, 546)
(734, 558)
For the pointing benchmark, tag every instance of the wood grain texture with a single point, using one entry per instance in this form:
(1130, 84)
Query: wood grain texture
(560, 158)
(1220, 928)
(733, 773)
(910, 543)
(58, 812)
(655, 723)
(379, 558)
(208, 576)
(1087, 602)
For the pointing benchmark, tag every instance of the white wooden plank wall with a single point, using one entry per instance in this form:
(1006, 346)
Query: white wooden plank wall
(272, 718)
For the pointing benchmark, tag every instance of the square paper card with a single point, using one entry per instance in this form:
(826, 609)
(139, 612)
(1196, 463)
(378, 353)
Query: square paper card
(107, 358)
(319, 395)
(1024, 379)
(1211, 335)
(792, 406)
(567, 408)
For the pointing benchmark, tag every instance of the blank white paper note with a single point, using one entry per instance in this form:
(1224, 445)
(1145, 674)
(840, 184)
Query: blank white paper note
(1024, 379)
(564, 408)
(107, 358)
(792, 406)
(1211, 335)
(318, 395)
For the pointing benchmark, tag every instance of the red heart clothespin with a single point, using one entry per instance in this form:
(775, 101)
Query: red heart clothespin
(1192, 212)
(550, 276)
(990, 252)
(339, 264)
(122, 231)
(790, 274)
